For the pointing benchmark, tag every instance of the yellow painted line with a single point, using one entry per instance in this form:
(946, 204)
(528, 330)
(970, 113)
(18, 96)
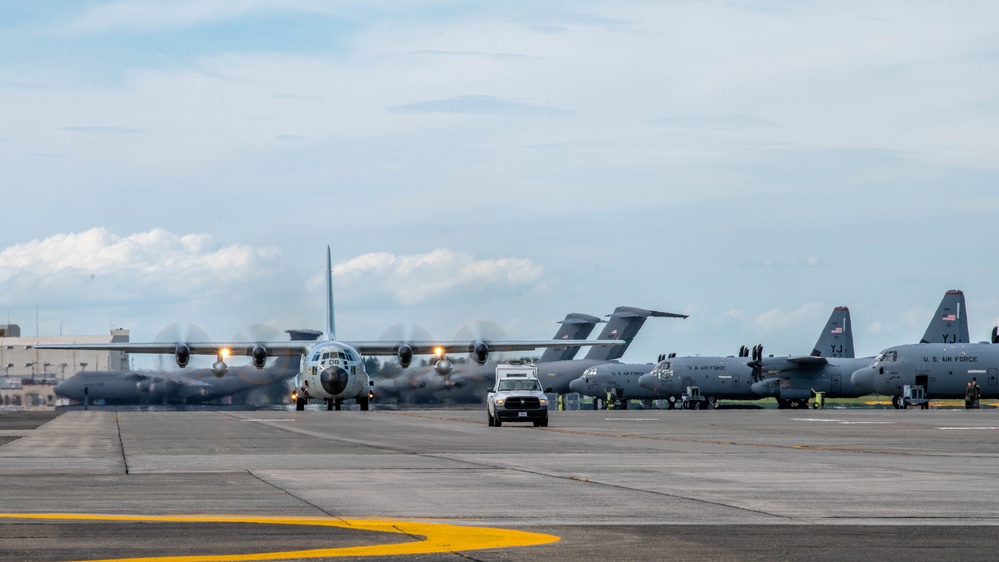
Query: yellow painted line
(436, 537)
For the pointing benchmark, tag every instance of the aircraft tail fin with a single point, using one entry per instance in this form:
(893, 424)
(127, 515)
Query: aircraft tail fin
(836, 339)
(330, 316)
(576, 326)
(624, 324)
(950, 322)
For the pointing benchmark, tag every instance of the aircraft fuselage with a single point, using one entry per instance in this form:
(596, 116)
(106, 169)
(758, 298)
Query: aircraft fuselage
(620, 379)
(727, 378)
(332, 370)
(943, 370)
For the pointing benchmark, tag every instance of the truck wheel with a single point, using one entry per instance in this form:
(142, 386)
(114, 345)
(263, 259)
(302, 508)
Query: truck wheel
(815, 405)
(497, 422)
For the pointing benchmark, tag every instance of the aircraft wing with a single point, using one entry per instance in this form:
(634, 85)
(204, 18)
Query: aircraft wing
(466, 346)
(808, 360)
(278, 348)
(293, 348)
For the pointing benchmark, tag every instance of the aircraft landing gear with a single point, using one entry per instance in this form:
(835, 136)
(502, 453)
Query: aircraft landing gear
(363, 403)
(894, 402)
(329, 405)
(671, 402)
(299, 404)
(338, 404)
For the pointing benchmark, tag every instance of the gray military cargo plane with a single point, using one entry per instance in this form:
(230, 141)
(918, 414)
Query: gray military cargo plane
(196, 386)
(732, 378)
(793, 380)
(943, 368)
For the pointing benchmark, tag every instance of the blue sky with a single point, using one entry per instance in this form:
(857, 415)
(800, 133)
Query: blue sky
(753, 164)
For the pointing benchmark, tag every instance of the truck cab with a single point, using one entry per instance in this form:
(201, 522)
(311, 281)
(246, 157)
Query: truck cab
(517, 396)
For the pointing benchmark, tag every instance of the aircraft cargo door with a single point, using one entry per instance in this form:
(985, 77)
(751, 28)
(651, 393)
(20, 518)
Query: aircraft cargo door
(993, 376)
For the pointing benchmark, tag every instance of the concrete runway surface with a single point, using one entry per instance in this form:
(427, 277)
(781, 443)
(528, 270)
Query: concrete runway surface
(441, 485)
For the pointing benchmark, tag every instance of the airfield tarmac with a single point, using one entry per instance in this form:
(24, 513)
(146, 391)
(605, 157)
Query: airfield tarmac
(441, 485)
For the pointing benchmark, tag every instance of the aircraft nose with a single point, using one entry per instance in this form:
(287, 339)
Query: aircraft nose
(864, 378)
(334, 380)
(577, 385)
(648, 381)
(66, 389)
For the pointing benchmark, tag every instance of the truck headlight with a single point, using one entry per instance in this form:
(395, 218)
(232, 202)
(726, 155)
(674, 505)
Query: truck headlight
(544, 401)
(499, 401)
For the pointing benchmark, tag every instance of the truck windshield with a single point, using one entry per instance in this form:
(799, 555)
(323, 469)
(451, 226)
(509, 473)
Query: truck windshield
(531, 384)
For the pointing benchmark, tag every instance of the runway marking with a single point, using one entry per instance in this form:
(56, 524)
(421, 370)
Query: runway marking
(982, 428)
(844, 422)
(437, 537)
(631, 419)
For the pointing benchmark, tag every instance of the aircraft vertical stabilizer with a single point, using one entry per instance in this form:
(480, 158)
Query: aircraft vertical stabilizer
(836, 339)
(576, 326)
(624, 323)
(330, 316)
(950, 323)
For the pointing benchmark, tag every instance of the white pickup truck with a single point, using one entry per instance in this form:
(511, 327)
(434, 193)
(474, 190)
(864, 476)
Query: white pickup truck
(517, 396)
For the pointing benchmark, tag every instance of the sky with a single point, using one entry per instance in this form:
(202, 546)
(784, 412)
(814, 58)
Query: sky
(752, 164)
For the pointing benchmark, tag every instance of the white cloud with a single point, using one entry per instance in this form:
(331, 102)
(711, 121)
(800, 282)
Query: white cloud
(157, 256)
(434, 276)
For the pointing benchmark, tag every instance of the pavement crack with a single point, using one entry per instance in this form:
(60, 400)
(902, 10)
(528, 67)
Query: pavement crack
(299, 498)
(121, 444)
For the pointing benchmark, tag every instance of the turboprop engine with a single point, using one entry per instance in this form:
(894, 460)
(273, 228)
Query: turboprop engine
(182, 355)
(259, 356)
(480, 353)
(405, 354)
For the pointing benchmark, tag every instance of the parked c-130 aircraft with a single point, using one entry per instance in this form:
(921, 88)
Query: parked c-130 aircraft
(332, 370)
(942, 368)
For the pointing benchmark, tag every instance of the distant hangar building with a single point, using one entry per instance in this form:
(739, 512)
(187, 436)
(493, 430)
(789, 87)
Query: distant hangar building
(28, 375)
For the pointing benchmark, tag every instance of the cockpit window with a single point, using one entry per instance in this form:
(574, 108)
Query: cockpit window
(887, 357)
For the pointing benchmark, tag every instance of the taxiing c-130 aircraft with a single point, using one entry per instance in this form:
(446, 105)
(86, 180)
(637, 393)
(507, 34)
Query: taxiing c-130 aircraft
(331, 370)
